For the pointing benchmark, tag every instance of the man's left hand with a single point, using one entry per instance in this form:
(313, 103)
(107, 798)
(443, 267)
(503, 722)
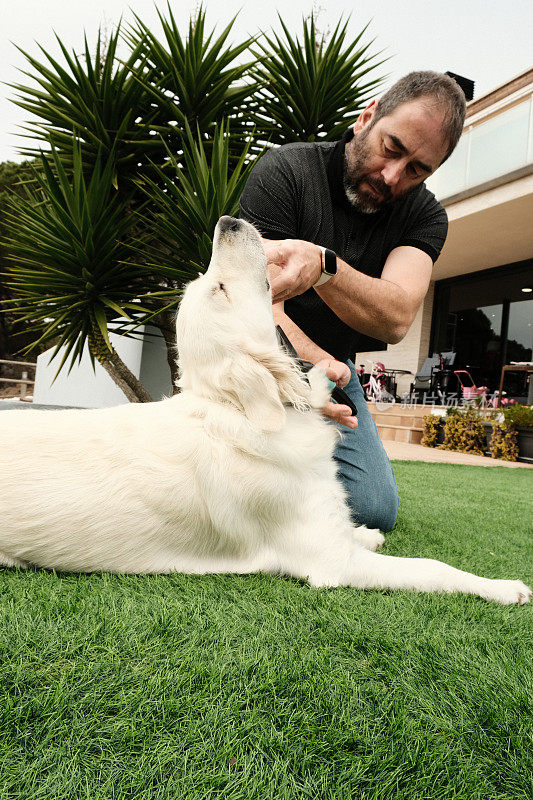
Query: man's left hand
(340, 374)
(293, 265)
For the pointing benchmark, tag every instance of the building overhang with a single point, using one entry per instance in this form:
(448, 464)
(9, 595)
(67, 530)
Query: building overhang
(488, 228)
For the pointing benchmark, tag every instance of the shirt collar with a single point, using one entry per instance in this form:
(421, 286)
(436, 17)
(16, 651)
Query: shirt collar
(335, 172)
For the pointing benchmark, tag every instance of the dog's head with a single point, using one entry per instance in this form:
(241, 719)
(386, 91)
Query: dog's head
(228, 350)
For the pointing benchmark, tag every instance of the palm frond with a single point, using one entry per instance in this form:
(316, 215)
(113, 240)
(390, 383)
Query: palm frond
(67, 254)
(97, 99)
(311, 89)
(194, 81)
(185, 207)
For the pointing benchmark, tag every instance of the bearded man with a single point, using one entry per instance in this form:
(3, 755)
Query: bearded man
(351, 234)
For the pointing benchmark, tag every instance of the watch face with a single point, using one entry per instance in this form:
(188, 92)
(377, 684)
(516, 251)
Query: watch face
(330, 262)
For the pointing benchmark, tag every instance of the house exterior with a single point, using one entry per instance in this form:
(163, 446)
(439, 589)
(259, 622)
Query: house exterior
(480, 301)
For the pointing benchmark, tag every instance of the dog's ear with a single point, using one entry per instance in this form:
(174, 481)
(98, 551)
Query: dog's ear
(263, 381)
(254, 389)
(260, 381)
(293, 388)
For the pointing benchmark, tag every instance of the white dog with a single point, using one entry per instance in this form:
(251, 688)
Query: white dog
(234, 474)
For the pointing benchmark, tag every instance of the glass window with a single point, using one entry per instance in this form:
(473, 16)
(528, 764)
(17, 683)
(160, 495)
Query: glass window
(451, 177)
(499, 145)
(478, 342)
(520, 332)
(519, 347)
(487, 321)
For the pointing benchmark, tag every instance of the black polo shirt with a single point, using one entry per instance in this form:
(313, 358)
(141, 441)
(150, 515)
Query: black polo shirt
(296, 192)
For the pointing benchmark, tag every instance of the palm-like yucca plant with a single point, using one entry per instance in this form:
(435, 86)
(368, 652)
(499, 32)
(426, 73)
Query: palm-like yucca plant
(182, 210)
(185, 207)
(98, 100)
(186, 108)
(67, 268)
(195, 81)
(312, 89)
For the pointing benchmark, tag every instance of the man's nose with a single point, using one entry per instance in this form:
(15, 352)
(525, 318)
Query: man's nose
(392, 172)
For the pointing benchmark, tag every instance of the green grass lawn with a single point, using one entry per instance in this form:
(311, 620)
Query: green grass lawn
(256, 687)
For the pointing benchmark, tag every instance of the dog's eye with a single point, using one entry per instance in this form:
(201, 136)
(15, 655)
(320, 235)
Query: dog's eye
(220, 288)
(267, 285)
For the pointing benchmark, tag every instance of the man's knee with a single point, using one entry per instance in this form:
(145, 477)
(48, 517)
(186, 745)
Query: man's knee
(373, 503)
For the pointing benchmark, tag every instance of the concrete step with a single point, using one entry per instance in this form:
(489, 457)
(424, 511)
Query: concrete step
(398, 422)
(401, 420)
(400, 433)
(401, 409)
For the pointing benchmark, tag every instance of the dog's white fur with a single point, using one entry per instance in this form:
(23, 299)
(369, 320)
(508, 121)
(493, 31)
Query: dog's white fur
(234, 474)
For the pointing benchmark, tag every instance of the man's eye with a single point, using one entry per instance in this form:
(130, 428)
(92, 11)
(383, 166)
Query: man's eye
(390, 152)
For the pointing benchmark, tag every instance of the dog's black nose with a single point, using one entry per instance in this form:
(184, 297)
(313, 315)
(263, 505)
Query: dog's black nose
(228, 223)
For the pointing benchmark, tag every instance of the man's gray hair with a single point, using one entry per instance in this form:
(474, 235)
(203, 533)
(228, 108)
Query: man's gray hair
(440, 89)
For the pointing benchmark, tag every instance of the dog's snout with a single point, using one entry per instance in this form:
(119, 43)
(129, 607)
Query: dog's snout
(226, 223)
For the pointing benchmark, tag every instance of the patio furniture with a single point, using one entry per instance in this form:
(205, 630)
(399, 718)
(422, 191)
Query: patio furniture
(525, 367)
(392, 373)
(434, 375)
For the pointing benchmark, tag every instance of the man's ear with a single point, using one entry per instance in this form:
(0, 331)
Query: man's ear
(366, 116)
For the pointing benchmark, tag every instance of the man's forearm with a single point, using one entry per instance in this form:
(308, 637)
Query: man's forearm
(373, 306)
(382, 307)
(304, 346)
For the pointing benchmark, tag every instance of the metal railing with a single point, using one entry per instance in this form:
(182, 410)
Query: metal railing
(24, 380)
(498, 146)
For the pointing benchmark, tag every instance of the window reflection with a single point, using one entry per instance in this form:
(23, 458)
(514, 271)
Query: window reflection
(487, 321)
(520, 332)
(478, 341)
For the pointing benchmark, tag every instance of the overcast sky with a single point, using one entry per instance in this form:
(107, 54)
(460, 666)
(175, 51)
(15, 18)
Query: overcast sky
(489, 41)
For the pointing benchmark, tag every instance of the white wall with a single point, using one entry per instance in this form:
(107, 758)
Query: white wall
(85, 387)
(411, 352)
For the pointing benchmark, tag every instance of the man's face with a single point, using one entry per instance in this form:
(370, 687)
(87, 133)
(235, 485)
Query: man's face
(390, 158)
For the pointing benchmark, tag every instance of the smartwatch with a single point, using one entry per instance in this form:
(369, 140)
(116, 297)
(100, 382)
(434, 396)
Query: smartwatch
(328, 263)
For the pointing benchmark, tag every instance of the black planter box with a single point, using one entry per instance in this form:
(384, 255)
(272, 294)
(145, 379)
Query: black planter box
(525, 444)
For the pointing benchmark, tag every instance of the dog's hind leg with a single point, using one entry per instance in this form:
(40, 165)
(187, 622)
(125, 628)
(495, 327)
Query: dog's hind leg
(369, 570)
(7, 561)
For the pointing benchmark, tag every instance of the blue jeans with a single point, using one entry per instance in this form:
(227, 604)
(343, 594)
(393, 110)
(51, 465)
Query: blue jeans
(364, 467)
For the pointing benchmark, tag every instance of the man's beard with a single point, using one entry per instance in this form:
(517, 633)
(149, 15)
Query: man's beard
(355, 173)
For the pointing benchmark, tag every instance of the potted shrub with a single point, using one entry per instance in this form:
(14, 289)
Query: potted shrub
(521, 419)
(433, 431)
(464, 431)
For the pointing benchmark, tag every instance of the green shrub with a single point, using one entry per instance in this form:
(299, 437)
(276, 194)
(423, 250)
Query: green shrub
(464, 431)
(432, 426)
(519, 416)
(504, 442)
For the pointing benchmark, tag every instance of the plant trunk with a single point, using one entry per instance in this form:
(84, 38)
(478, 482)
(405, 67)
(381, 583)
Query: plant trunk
(117, 369)
(166, 323)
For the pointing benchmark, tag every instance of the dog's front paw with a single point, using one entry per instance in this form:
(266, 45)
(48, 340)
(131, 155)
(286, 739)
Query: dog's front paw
(320, 387)
(370, 539)
(510, 592)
